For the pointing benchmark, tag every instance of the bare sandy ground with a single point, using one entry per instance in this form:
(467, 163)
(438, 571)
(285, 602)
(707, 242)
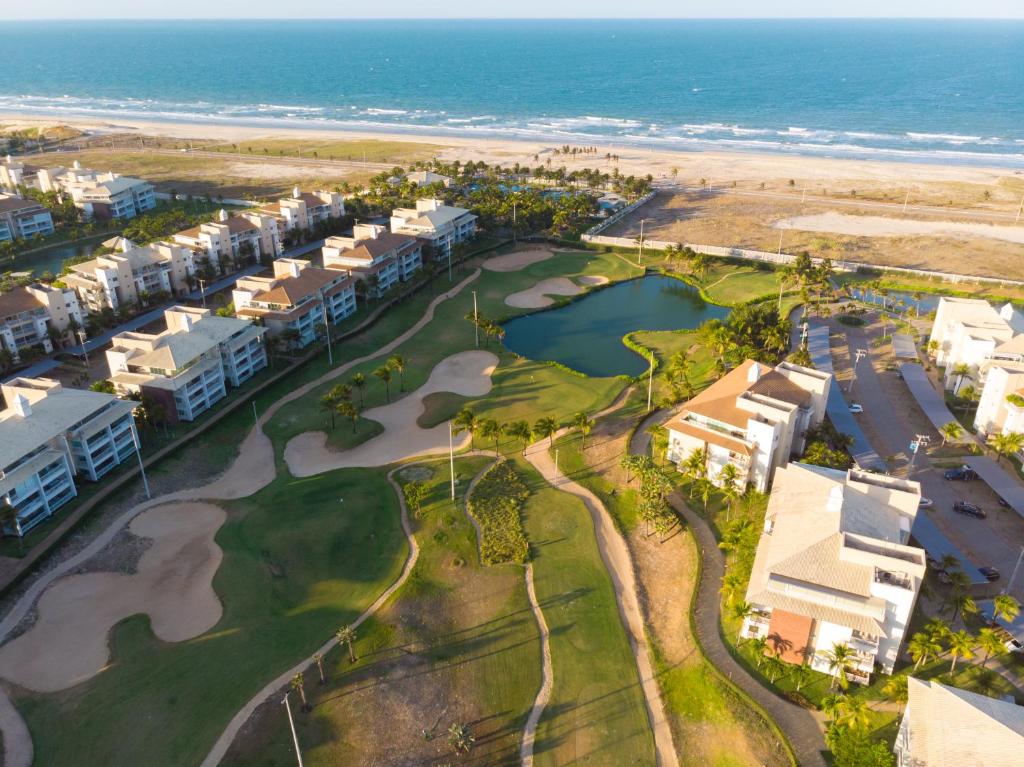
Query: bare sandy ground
(881, 226)
(513, 262)
(538, 296)
(173, 585)
(465, 373)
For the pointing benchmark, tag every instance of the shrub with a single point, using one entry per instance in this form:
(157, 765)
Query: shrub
(496, 504)
(847, 319)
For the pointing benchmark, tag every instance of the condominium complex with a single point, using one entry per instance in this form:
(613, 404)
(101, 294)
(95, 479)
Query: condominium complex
(99, 195)
(304, 210)
(971, 332)
(120, 279)
(29, 314)
(945, 726)
(14, 173)
(374, 255)
(248, 235)
(754, 417)
(435, 224)
(22, 219)
(833, 568)
(186, 368)
(50, 435)
(428, 177)
(297, 299)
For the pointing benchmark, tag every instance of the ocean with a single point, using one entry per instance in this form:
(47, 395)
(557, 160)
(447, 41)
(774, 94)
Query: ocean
(939, 91)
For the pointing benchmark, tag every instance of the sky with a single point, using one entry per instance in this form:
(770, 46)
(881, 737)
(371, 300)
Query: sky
(354, 9)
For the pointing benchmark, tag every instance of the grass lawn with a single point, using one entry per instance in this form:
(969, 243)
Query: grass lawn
(729, 284)
(358, 150)
(456, 643)
(301, 557)
(596, 714)
(909, 283)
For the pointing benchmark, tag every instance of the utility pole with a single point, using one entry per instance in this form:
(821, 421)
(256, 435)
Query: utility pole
(451, 457)
(142, 468)
(449, 262)
(476, 323)
(640, 252)
(781, 232)
(650, 385)
(915, 446)
(85, 352)
(255, 417)
(202, 290)
(327, 329)
(291, 724)
(1013, 576)
(858, 356)
(514, 222)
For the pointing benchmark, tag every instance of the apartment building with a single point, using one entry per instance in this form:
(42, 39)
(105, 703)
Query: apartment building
(435, 224)
(232, 239)
(50, 437)
(119, 279)
(187, 367)
(28, 314)
(970, 331)
(23, 219)
(304, 210)
(945, 726)
(754, 417)
(14, 173)
(428, 177)
(99, 195)
(376, 256)
(298, 298)
(833, 568)
(997, 411)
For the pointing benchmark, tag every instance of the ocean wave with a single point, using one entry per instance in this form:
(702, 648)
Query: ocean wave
(950, 138)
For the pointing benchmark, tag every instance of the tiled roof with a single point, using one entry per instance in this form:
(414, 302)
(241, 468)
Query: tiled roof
(11, 204)
(17, 301)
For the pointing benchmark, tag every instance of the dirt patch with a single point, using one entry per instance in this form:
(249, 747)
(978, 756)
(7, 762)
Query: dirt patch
(880, 226)
(173, 585)
(513, 262)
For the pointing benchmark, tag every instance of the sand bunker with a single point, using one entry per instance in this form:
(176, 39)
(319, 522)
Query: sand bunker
(173, 585)
(880, 226)
(513, 262)
(465, 373)
(537, 297)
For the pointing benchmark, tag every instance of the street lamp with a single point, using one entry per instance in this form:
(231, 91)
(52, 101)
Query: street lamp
(915, 446)
(327, 329)
(85, 352)
(142, 467)
(202, 290)
(291, 724)
(640, 250)
(476, 322)
(859, 354)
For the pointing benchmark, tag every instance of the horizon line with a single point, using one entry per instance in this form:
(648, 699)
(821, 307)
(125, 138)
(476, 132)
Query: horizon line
(294, 19)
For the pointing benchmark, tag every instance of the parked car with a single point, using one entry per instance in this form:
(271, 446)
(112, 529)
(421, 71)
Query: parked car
(970, 509)
(925, 503)
(990, 573)
(855, 408)
(963, 474)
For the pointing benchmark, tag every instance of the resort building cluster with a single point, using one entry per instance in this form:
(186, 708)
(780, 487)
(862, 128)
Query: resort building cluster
(35, 315)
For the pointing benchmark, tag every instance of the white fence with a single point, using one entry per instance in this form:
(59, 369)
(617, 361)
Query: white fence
(615, 217)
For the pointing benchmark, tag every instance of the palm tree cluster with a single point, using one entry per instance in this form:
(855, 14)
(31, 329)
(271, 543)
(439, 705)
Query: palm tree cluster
(752, 331)
(489, 328)
(395, 364)
(1007, 443)
(490, 429)
(656, 484)
(677, 376)
(938, 637)
(338, 401)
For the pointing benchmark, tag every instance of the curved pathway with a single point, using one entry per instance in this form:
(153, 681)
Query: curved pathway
(469, 492)
(546, 678)
(617, 560)
(799, 725)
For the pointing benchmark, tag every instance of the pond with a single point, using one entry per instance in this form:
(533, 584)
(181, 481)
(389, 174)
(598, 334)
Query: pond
(928, 302)
(586, 335)
(52, 258)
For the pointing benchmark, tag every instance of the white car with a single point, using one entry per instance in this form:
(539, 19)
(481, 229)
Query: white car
(925, 503)
(855, 408)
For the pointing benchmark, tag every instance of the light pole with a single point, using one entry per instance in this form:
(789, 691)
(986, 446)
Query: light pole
(255, 417)
(85, 352)
(1016, 567)
(327, 329)
(858, 356)
(449, 261)
(650, 385)
(451, 458)
(514, 222)
(142, 468)
(915, 446)
(476, 323)
(291, 724)
(202, 290)
(640, 251)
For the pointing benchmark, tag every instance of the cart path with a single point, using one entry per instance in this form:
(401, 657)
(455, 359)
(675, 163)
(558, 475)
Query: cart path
(547, 676)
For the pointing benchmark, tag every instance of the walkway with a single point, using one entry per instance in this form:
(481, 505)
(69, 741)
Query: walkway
(799, 725)
(547, 676)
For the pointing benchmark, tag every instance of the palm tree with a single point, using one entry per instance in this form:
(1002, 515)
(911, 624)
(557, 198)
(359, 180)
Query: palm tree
(832, 704)
(990, 643)
(968, 395)
(732, 584)
(740, 610)
(546, 427)
(759, 646)
(1006, 444)
(384, 374)
(961, 370)
(1006, 607)
(728, 483)
(347, 410)
(397, 363)
(896, 689)
(932, 347)
(951, 431)
(491, 429)
(318, 659)
(329, 403)
(466, 420)
(854, 713)
(299, 685)
(961, 645)
(773, 667)
(460, 738)
(961, 602)
(584, 424)
(347, 635)
(801, 674)
(839, 658)
(519, 430)
(922, 647)
(359, 383)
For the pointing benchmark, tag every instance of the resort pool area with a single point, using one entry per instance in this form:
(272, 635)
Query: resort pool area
(586, 335)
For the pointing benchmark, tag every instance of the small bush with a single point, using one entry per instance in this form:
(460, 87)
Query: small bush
(497, 503)
(848, 319)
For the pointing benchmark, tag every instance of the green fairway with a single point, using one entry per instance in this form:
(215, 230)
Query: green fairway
(301, 557)
(730, 284)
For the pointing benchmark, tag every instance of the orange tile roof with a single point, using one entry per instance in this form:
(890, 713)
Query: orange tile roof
(291, 289)
(711, 436)
(17, 301)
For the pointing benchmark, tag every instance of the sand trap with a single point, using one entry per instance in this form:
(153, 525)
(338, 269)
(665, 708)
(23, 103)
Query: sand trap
(537, 297)
(513, 262)
(465, 373)
(880, 226)
(173, 585)
(593, 279)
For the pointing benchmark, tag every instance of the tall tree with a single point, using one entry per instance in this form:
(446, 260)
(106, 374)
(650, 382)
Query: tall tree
(961, 645)
(466, 420)
(359, 383)
(384, 374)
(546, 427)
(346, 635)
(298, 684)
(584, 424)
(1008, 443)
(951, 431)
(839, 659)
(398, 363)
(491, 429)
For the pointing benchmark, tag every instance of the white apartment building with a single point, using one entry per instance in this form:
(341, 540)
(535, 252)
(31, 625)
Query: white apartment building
(15, 173)
(996, 414)
(27, 314)
(50, 435)
(970, 331)
(833, 567)
(754, 417)
(374, 255)
(187, 367)
(944, 726)
(232, 239)
(428, 177)
(119, 279)
(23, 219)
(304, 210)
(100, 195)
(299, 297)
(436, 224)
